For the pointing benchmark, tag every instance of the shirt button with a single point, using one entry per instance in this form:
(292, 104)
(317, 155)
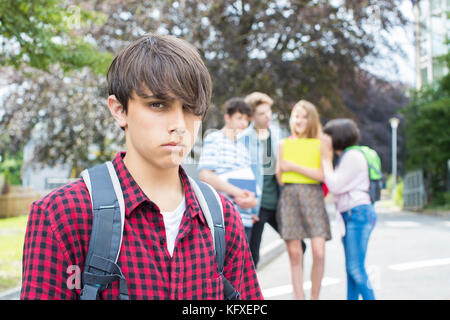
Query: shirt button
(162, 241)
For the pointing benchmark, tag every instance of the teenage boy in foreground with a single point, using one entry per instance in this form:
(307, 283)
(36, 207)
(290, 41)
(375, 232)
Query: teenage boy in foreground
(159, 91)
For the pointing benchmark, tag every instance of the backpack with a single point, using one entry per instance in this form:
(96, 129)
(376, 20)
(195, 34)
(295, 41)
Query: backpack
(108, 210)
(375, 175)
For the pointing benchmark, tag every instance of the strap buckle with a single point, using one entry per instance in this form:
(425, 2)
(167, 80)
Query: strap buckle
(89, 292)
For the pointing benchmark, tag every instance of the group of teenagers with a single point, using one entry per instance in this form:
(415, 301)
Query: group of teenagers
(295, 210)
(159, 90)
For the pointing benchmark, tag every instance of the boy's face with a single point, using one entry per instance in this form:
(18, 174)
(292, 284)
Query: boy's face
(262, 116)
(159, 132)
(236, 122)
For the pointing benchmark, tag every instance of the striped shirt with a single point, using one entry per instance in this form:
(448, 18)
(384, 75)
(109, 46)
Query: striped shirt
(220, 154)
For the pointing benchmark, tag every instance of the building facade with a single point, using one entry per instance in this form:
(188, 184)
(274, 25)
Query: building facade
(432, 29)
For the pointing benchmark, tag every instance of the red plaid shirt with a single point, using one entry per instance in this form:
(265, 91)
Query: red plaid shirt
(57, 240)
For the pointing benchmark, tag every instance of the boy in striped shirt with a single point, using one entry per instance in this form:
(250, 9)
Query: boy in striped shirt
(222, 154)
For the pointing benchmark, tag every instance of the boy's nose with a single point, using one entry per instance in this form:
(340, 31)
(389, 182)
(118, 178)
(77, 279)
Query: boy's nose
(176, 120)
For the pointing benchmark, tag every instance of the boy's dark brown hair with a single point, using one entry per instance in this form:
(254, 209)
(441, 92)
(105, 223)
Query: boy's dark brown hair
(165, 65)
(235, 105)
(344, 133)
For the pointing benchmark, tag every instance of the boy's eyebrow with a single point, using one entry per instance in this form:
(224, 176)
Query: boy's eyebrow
(158, 97)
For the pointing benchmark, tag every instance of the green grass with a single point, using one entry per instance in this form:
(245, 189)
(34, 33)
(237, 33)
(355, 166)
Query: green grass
(438, 207)
(12, 236)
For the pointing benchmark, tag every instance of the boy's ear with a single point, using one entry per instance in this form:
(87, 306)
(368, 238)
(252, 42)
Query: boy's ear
(117, 111)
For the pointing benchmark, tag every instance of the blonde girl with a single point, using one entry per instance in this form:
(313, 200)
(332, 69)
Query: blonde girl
(301, 210)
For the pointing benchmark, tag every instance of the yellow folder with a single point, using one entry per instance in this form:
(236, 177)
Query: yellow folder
(304, 152)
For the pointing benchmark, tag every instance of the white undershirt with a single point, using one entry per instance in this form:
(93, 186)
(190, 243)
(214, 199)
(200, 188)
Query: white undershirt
(172, 220)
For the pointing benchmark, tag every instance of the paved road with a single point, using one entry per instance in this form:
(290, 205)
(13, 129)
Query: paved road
(408, 258)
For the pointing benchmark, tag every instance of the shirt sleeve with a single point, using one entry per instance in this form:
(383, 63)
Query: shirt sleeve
(45, 264)
(239, 269)
(209, 155)
(342, 179)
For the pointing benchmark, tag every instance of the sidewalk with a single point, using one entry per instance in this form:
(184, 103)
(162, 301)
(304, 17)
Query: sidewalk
(11, 294)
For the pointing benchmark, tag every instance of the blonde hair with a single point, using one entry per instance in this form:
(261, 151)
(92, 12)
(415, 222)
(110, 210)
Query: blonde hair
(256, 98)
(314, 127)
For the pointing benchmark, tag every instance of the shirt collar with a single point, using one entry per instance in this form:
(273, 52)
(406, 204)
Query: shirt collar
(192, 206)
(133, 195)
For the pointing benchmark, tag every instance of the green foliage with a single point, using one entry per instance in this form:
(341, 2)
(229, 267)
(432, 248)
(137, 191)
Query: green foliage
(427, 131)
(428, 141)
(291, 50)
(40, 33)
(441, 202)
(398, 196)
(12, 232)
(10, 168)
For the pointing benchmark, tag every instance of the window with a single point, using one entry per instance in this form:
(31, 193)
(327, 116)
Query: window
(424, 76)
(439, 69)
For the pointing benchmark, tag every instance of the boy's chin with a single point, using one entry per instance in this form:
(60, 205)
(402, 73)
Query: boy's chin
(173, 161)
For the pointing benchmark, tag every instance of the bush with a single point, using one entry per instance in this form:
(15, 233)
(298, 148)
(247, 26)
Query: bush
(426, 131)
(428, 143)
(10, 169)
(398, 196)
(398, 199)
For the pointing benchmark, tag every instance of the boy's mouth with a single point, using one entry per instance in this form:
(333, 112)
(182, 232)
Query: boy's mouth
(174, 146)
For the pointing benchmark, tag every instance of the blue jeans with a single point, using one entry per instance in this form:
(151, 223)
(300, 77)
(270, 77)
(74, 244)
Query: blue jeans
(359, 223)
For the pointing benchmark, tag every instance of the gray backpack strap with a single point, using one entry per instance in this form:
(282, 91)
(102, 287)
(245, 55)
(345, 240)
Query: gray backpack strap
(211, 206)
(107, 227)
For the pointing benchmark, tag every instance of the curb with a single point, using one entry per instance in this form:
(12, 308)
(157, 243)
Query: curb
(272, 246)
(11, 294)
(433, 213)
(270, 252)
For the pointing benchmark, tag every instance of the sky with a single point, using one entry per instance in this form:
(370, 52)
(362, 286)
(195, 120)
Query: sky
(384, 67)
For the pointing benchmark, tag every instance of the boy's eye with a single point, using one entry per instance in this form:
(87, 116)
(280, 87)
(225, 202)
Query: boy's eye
(187, 108)
(157, 105)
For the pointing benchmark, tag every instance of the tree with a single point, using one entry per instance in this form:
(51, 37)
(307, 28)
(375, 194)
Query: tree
(44, 43)
(373, 109)
(289, 49)
(428, 136)
(71, 123)
(41, 33)
(293, 49)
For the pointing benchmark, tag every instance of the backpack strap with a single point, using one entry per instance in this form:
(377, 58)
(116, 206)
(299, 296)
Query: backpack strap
(374, 185)
(107, 228)
(106, 237)
(368, 165)
(211, 206)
